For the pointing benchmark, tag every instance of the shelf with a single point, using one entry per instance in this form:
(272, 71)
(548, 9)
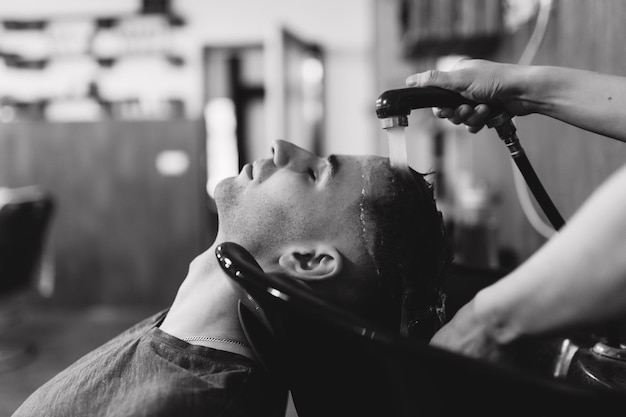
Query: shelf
(444, 27)
(65, 58)
(100, 22)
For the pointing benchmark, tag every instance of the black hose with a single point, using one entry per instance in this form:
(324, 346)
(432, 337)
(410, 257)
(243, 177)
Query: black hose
(540, 194)
(507, 132)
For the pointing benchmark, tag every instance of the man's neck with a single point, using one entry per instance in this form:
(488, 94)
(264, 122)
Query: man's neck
(206, 306)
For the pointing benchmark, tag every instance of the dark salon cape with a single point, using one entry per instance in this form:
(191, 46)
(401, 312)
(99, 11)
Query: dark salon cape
(147, 372)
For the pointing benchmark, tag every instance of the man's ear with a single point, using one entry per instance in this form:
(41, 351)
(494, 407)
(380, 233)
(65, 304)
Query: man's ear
(311, 261)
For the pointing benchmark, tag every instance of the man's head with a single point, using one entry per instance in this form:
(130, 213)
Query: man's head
(348, 226)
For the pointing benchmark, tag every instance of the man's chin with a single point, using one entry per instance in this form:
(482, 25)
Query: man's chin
(224, 194)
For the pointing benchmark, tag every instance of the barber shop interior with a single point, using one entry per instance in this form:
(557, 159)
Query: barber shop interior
(312, 208)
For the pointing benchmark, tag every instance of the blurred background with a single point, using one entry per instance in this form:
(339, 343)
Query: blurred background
(117, 118)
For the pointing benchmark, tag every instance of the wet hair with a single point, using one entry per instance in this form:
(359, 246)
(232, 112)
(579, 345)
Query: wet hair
(406, 238)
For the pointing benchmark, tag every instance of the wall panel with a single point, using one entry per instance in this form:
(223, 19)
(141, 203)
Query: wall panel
(123, 233)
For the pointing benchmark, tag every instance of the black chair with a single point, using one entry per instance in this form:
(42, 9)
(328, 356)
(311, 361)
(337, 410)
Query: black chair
(25, 215)
(336, 364)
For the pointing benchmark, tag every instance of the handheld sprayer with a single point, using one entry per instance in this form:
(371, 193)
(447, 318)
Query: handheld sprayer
(394, 106)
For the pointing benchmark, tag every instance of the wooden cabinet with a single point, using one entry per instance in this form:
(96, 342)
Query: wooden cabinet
(124, 232)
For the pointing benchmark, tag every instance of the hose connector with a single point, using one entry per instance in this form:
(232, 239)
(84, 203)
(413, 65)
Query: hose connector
(507, 131)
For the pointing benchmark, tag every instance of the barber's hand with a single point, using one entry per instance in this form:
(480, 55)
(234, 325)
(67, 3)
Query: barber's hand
(467, 335)
(478, 80)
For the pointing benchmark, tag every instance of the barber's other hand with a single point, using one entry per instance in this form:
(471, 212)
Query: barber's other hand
(467, 334)
(481, 81)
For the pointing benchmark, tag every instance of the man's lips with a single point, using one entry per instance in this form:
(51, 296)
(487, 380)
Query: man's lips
(261, 168)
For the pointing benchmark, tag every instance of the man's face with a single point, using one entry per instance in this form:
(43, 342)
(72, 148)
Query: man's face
(293, 196)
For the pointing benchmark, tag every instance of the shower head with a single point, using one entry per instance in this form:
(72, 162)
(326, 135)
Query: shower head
(393, 106)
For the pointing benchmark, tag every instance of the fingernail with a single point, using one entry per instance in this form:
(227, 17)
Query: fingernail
(445, 113)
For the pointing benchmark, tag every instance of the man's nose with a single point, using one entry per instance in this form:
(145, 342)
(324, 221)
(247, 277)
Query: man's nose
(288, 155)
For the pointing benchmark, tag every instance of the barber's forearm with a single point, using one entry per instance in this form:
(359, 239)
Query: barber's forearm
(577, 278)
(586, 99)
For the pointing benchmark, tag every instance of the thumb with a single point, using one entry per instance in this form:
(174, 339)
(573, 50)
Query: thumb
(430, 78)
